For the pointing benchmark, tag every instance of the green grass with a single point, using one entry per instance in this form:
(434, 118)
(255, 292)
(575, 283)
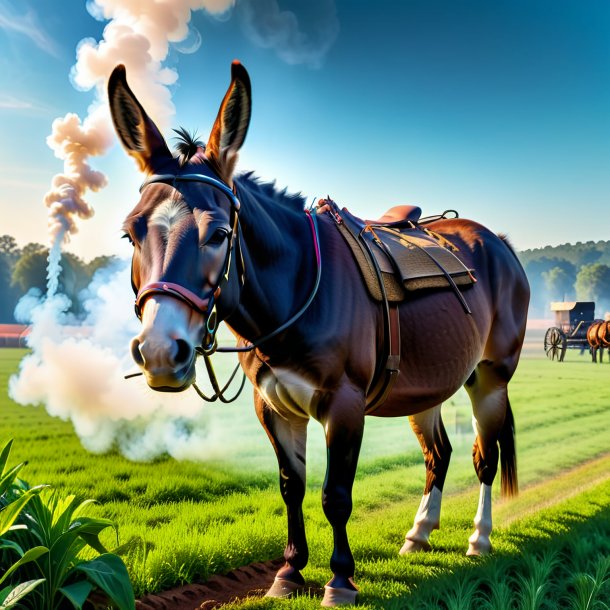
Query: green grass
(190, 520)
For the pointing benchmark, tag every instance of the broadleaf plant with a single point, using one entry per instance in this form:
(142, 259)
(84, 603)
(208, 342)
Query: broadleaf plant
(13, 501)
(49, 534)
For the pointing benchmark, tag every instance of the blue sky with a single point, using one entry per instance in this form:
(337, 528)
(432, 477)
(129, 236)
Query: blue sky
(498, 109)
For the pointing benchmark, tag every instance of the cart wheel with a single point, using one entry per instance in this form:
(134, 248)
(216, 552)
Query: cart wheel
(555, 344)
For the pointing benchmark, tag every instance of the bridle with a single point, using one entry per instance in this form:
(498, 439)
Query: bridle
(206, 304)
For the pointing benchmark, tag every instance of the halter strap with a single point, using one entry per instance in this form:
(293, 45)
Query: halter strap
(171, 179)
(313, 222)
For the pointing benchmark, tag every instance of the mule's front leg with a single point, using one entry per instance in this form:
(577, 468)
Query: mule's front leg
(344, 424)
(288, 438)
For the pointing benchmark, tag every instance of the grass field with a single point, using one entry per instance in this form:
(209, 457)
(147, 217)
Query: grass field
(190, 520)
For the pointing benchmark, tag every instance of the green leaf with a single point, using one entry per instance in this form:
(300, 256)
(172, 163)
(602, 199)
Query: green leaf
(77, 593)
(109, 573)
(30, 555)
(63, 511)
(6, 450)
(67, 544)
(9, 514)
(8, 479)
(20, 591)
(11, 544)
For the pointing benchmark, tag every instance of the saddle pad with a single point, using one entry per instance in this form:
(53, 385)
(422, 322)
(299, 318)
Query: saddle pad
(417, 269)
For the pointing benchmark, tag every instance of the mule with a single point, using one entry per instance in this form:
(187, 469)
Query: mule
(598, 337)
(210, 246)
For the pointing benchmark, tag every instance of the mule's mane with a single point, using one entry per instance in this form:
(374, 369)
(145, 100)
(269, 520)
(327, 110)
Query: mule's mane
(187, 149)
(267, 192)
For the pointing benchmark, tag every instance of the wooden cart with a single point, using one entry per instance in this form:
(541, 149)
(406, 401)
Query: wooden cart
(572, 318)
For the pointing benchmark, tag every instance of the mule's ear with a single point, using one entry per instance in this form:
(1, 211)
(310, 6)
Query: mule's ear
(231, 125)
(136, 130)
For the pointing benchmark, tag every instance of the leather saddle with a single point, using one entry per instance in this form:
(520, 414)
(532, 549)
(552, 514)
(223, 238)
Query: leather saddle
(399, 248)
(396, 217)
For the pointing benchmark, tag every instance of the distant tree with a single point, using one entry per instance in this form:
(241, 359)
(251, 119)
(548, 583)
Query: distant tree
(33, 247)
(30, 270)
(593, 283)
(9, 295)
(559, 282)
(8, 246)
(99, 262)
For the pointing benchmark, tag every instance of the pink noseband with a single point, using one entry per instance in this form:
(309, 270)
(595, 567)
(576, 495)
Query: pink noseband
(171, 290)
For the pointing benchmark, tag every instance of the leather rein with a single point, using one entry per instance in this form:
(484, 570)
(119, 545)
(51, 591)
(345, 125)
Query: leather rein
(206, 304)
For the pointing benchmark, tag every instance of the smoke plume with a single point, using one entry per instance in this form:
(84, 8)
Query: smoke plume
(297, 40)
(77, 371)
(138, 35)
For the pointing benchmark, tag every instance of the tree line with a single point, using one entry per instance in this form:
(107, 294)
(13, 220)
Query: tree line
(570, 272)
(24, 268)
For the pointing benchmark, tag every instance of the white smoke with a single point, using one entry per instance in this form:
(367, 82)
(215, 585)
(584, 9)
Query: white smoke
(77, 372)
(138, 35)
(302, 39)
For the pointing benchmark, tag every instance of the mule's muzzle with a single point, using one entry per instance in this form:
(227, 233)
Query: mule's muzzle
(168, 367)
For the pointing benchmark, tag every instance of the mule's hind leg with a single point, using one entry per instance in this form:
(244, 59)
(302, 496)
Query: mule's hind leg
(288, 439)
(430, 431)
(494, 426)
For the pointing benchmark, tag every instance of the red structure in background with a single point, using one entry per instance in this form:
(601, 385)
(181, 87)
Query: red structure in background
(13, 335)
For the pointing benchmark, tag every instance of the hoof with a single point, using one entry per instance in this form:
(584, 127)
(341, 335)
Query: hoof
(413, 546)
(338, 596)
(282, 587)
(478, 548)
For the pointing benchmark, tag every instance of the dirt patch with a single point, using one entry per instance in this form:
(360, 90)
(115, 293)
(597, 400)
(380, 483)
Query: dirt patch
(251, 580)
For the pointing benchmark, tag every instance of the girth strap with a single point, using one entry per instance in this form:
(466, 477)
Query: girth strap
(378, 394)
(388, 365)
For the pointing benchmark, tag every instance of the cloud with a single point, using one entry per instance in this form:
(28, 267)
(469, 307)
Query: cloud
(19, 104)
(302, 39)
(191, 43)
(29, 26)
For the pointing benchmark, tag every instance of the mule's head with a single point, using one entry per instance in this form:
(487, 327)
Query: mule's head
(181, 231)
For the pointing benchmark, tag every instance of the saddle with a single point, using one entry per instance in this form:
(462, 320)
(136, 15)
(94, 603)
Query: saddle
(396, 255)
(409, 256)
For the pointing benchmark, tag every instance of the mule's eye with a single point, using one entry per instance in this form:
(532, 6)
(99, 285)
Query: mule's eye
(127, 236)
(217, 237)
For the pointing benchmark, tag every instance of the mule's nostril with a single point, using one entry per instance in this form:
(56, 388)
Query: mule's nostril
(136, 354)
(184, 352)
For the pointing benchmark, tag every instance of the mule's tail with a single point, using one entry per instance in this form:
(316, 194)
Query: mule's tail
(508, 455)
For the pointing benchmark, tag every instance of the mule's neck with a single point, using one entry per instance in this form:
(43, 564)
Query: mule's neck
(280, 262)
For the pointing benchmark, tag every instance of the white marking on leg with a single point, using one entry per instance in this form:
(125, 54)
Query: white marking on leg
(479, 542)
(427, 519)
